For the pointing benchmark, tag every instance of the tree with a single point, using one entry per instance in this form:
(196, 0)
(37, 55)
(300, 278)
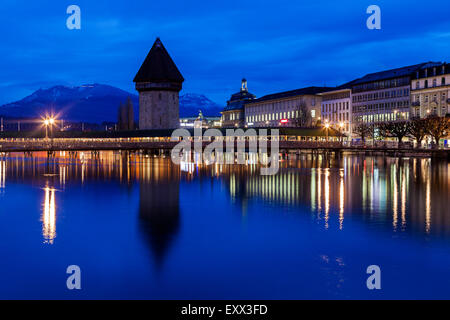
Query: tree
(122, 117)
(363, 131)
(418, 128)
(438, 127)
(130, 114)
(119, 117)
(398, 129)
(304, 117)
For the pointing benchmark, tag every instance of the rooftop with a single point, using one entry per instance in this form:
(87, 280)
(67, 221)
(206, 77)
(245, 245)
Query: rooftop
(293, 93)
(158, 66)
(392, 73)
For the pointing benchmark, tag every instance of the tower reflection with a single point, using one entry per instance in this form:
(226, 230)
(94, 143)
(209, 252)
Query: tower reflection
(159, 207)
(400, 194)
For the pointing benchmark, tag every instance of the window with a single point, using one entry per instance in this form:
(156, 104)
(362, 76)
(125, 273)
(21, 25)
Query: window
(313, 113)
(417, 84)
(443, 81)
(426, 83)
(434, 82)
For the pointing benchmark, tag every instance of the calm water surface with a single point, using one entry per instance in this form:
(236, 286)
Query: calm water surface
(141, 227)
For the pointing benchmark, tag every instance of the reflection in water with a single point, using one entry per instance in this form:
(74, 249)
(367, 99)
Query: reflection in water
(401, 194)
(327, 196)
(159, 208)
(341, 199)
(49, 216)
(2, 174)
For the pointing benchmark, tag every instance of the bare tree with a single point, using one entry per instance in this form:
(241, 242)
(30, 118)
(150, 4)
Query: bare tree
(363, 131)
(399, 130)
(122, 117)
(418, 129)
(304, 118)
(438, 127)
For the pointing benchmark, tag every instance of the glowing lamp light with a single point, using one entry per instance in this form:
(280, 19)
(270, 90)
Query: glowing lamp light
(327, 125)
(283, 121)
(46, 122)
(341, 125)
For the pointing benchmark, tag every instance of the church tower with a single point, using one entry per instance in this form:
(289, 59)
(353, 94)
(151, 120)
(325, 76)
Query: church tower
(158, 82)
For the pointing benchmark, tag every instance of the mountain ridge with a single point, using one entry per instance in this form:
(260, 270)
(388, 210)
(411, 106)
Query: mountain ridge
(94, 103)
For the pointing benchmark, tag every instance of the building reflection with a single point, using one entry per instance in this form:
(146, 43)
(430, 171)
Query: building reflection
(377, 190)
(401, 194)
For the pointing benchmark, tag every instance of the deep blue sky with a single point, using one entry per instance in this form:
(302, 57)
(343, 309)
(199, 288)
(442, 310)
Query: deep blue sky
(277, 45)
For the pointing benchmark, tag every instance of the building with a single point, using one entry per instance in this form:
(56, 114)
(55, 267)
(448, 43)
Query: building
(233, 115)
(203, 122)
(158, 82)
(383, 96)
(295, 108)
(430, 91)
(336, 108)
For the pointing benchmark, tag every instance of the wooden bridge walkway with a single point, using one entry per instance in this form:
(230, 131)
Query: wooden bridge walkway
(284, 147)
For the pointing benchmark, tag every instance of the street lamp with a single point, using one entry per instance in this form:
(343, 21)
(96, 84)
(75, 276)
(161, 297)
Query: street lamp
(48, 122)
(327, 126)
(341, 126)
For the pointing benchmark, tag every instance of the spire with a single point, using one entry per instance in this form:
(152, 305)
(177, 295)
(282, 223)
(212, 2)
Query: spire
(158, 66)
(244, 85)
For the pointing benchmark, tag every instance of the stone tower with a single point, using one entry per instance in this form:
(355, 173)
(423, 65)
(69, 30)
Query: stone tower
(158, 82)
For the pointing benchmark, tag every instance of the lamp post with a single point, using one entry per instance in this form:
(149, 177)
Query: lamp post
(341, 126)
(327, 126)
(48, 122)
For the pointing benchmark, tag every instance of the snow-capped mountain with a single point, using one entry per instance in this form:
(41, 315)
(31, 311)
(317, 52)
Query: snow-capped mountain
(94, 103)
(191, 103)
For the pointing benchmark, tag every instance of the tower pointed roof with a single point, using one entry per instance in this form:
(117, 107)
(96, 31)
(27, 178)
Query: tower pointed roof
(158, 66)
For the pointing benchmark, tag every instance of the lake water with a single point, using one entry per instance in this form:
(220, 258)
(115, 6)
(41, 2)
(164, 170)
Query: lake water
(141, 227)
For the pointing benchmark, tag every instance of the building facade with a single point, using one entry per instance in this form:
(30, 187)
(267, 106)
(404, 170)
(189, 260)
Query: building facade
(233, 115)
(200, 122)
(383, 96)
(336, 109)
(296, 108)
(430, 91)
(158, 82)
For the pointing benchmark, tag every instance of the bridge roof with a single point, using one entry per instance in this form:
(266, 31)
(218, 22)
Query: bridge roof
(159, 133)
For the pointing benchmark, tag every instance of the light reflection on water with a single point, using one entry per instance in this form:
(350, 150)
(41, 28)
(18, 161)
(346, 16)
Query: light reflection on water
(388, 195)
(396, 189)
(49, 216)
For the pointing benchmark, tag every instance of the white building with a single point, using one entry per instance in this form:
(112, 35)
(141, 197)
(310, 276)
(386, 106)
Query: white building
(430, 91)
(336, 109)
(295, 108)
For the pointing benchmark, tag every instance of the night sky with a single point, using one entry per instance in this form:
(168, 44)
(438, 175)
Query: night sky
(277, 45)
